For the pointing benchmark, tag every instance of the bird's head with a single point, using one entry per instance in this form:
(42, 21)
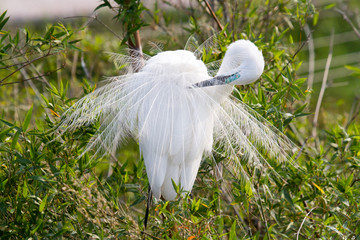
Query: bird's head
(243, 63)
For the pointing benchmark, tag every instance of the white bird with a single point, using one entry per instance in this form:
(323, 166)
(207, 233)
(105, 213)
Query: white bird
(177, 112)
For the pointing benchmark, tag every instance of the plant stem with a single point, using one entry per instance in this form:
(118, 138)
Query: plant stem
(323, 85)
(212, 13)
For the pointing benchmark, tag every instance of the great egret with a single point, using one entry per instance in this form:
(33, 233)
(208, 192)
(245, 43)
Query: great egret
(177, 112)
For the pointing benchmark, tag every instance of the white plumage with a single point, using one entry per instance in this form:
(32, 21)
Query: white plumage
(177, 112)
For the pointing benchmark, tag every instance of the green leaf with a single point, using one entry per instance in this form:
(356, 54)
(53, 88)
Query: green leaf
(27, 119)
(105, 4)
(38, 224)
(176, 187)
(25, 190)
(270, 80)
(300, 109)
(74, 47)
(49, 33)
(248, 189)
(15, 139)
(3, 22)
(43, 203)
(287, 196)
(349, 180)
(45, 99)
(7, 123)
(122, 169)
(59, 35)
(139, 169)
(3, 184)
(74, 41)
(138, 200)
(5, 132)
(316, 18)
(329, 6)
(3, 15)
(54, 89)
(233, 231)
(352, 68)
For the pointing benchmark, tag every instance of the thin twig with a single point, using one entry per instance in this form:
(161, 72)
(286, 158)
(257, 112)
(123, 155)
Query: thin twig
(299, 137)
(73, 72)
(138, 54)
(229, 200)
(302, 223)
(323, 85)
(214, 16)
(262, 213)
(287, 64)
(301, 150)
(354, 112)
(27, 63)
(346, 18)
(58, 64)
(33, 78)
(143, 232)
(311, 49)
(138, 41)
(14, 64)
(292, 57)
(355, 180)
(37, 93)
(84, 67)
(99, 21)
(36, 70)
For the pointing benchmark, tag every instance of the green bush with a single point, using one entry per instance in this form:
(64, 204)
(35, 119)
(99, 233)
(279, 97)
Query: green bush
(48, 191)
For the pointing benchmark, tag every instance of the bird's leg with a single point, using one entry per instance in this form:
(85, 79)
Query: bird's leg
(147, 207)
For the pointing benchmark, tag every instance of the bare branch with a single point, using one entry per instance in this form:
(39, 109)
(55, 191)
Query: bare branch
(323, 85)
(346, 18)
(33, 78)
(99, 21)
(292, 57)
(37, 93)
(354, 112)
(138, 46)
(311, 46)
(212, 13)
(27, 63)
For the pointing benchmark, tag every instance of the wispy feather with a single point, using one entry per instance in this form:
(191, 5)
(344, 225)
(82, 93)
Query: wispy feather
(176, 121)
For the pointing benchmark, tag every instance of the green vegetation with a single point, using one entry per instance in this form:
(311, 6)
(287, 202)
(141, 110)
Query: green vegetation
(48, 192)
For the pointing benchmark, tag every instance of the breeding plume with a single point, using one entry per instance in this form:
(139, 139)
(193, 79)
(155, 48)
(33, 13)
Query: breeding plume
(178, 112)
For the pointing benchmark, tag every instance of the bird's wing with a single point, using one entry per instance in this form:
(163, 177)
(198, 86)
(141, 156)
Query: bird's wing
(156, 47)
(209, 45)
(247, 137)
(107, 103)
(213, 67)
(192, 44)
(112, 104)
(128, 63)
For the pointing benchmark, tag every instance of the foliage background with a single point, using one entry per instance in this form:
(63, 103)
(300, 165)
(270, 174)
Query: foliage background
(47, 192)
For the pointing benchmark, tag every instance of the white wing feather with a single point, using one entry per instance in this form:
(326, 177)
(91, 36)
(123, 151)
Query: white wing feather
(175, 123)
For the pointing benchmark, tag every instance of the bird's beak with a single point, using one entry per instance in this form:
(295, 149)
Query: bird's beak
(218, 80)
